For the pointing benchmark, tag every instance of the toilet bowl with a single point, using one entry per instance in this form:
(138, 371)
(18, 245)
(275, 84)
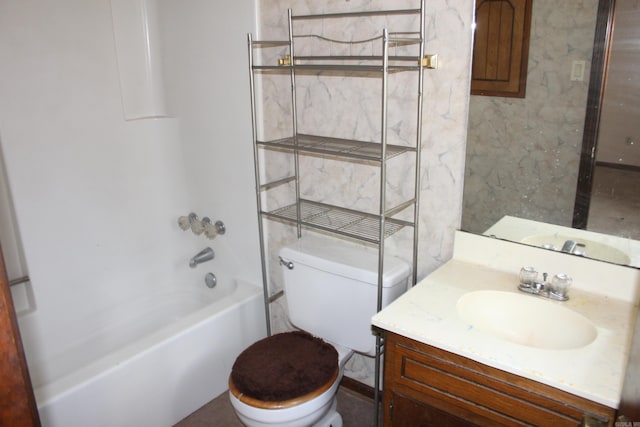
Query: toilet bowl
(318, 412)
(313, 408)
(331, 289)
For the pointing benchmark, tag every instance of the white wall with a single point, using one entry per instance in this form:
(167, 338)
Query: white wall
(12, 252)
(207, 83)
(97, 197)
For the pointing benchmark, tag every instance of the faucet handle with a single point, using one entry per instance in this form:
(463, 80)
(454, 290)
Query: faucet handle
(528, 276)
(559, 287)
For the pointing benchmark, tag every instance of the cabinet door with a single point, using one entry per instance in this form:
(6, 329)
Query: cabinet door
(501, 48)
(408, 412)
(424, 384)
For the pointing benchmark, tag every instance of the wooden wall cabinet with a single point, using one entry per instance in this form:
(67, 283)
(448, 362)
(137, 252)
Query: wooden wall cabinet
(427, 386)
(501, 48)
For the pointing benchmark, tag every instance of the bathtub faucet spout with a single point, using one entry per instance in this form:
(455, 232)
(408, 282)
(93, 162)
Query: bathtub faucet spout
(204, 255)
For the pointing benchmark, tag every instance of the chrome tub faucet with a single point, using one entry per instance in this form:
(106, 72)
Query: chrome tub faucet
(203, 256)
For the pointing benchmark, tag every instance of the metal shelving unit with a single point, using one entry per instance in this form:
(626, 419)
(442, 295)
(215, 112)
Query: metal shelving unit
(334, 219)
(362, 226)
(345, 148)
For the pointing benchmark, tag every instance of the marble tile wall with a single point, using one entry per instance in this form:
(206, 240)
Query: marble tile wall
(523, 154)
(349, 107)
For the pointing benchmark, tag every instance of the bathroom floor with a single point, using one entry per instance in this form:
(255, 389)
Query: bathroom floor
(356, 411)
(615, 203)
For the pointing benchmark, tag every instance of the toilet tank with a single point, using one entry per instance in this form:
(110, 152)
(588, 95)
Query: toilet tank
(332, 289)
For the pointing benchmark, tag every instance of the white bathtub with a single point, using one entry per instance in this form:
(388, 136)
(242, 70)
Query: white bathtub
(168, 354)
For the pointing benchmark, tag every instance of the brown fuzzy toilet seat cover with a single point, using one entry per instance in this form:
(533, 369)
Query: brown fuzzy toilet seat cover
(284, 366)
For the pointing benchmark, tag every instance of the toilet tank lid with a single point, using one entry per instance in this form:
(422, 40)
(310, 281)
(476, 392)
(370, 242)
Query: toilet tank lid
(345, 258)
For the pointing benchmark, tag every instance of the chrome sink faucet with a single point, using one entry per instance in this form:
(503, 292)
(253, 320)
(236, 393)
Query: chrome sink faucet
(557, 289)
(573, 247)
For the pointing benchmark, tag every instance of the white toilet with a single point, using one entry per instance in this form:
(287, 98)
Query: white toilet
(331, 291)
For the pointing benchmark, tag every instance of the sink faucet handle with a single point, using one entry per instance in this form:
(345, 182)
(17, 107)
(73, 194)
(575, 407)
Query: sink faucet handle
(528, 275)
(544, 277)
(560, 285)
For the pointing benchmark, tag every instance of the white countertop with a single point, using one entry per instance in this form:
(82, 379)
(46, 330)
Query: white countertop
(427, 313)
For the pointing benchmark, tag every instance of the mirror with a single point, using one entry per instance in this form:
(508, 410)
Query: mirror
(530, 176)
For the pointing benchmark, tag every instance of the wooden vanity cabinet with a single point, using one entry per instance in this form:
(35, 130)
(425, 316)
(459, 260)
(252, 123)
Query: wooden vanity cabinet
(427, 386)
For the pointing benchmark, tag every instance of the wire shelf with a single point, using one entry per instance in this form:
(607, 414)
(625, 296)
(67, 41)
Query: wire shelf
(346, 148)
(346, 222)
(337, 68)
(359, 14)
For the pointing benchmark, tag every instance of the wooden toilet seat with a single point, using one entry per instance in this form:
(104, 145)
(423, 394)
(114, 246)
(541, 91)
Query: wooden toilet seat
(284, 370)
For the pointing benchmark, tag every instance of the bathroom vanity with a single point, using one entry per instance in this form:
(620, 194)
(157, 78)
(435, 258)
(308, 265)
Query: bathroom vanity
(425, 385)
(465, 347)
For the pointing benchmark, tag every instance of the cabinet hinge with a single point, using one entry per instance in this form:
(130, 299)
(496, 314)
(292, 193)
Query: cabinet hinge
(391, 410)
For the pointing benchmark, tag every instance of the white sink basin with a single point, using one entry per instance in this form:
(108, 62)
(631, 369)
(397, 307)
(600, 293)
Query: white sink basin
(525, 319)
(592, 249)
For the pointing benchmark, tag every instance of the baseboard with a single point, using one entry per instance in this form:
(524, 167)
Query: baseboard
(620, 166)
(357, 387)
